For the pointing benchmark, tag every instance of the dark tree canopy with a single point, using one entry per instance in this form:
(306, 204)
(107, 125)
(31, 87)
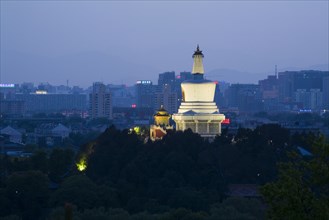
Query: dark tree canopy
(182, 176)
(27, 193)
(302, 188)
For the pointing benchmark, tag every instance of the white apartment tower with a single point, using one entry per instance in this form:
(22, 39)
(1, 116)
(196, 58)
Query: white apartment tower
(100, 102)
(166, 98)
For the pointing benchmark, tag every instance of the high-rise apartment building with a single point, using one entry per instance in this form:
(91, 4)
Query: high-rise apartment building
(325, 92)
(309, 99)
(245, 97)
(305, 88)
(145, 94)
(167, 78)
(185, 76)
(179, 79)
(100, 100)
(269, 87)
(166, 98)
(122, 95)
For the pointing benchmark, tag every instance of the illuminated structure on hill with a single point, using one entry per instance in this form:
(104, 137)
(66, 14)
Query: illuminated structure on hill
(161, 124)
(198, 111)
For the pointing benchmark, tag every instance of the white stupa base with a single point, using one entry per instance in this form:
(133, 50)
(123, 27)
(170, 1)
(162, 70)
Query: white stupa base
(205, 124)
(198, 107)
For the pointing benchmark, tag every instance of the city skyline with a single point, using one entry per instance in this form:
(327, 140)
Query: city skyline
(122, 42)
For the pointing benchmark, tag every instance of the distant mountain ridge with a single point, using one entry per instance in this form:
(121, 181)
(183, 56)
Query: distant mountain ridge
(321, 67)
(86, 67)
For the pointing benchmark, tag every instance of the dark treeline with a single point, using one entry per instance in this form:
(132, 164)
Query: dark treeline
(183, 176)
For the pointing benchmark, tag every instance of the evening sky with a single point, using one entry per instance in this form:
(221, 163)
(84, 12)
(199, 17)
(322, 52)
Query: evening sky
(124, 41)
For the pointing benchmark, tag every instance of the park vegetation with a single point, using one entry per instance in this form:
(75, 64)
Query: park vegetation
(182, 176)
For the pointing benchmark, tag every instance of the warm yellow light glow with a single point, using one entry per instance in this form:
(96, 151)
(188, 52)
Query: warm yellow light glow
(137, 130)
(82, 164)
(41, 92)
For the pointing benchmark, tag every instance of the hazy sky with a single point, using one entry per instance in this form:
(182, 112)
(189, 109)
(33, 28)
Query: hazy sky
(121, 42)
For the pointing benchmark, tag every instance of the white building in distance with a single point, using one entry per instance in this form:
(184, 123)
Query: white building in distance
(100, 102)
(198, 111)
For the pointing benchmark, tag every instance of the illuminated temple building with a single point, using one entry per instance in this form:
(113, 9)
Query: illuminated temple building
(161, 124)
(198, 111)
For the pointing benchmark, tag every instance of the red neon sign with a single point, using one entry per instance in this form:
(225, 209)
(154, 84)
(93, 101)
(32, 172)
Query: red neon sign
(226, 121)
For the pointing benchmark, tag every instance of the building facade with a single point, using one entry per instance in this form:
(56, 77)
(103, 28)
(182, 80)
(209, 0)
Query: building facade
(198, 111)
(326, 93)
(167, 98)
(167, 78)
(161, 124)
(48, 103)
(100, 102)
(305, 89)
(245, 97)
(145, 94)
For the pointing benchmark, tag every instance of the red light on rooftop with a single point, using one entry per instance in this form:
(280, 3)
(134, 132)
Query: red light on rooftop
(216, 82)
(226, 121)
(133, 105)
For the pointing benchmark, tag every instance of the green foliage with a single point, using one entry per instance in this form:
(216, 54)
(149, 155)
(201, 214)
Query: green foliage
(60, 163)
(11, 217)
(5, 207)
(39, 161)
(325, 119)
(237, 208)
(168, 172)
(229, 213)
(184, 170)
(181, 176)
(102, 213)
(251, 155)
(17, 164)
(82, 192)
(79, 139)
(27, 193)
(301, 191)
(78, 190)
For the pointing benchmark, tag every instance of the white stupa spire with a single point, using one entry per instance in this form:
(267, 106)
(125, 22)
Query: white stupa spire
(198, 111)
(197, 63)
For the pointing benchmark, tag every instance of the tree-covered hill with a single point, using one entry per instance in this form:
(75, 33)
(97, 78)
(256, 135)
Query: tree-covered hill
(182, 176)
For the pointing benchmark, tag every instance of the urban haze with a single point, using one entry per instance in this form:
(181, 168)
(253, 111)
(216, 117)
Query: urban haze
(164, 110)
(122, 42)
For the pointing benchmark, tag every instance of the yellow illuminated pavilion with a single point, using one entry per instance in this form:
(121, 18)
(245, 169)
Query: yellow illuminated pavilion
(198, 111)
(161, 124)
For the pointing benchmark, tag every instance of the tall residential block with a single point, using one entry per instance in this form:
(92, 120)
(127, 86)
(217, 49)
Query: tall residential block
(306, 88)
(100, 102)
(145, 94)
(166, 98)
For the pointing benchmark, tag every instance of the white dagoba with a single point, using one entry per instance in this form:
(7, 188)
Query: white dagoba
(198, 111)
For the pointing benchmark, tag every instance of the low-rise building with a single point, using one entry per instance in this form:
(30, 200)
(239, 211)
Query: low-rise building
(14, 135)
(161, 125)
